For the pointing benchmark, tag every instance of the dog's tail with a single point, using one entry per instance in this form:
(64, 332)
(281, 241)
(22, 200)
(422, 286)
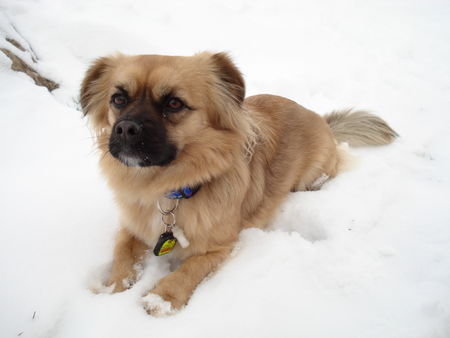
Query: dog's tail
(359, 128)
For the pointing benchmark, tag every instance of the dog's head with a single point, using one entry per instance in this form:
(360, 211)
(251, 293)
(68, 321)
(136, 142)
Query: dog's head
(145, 109)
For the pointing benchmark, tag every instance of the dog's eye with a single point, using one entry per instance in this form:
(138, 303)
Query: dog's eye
(174, 105)
(119, 100)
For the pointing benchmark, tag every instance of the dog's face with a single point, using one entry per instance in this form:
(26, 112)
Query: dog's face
(147, 108)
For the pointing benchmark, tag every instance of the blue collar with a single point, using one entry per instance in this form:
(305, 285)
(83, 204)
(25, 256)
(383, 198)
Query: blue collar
(183, 193)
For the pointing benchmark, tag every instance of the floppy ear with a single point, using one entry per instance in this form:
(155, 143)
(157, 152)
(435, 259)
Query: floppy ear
(93, 74)
(227, 99)
(230, 76)
(94, 91)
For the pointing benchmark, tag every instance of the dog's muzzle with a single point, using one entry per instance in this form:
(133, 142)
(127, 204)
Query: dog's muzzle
(141, 143)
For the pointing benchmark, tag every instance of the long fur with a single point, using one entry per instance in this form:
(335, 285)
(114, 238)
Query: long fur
(359, 128)
(247, 154)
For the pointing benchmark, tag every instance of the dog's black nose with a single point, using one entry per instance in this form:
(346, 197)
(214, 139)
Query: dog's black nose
(127, 129)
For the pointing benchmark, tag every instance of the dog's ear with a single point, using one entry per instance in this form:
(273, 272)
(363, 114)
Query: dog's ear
(230, 76)
(91, 82)
(95, 90)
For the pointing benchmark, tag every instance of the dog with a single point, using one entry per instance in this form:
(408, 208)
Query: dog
(192, 162)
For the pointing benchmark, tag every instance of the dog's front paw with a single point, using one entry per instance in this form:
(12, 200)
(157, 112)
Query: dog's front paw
(156, 306)
(123, 278)
(99, 287)
(118, 285)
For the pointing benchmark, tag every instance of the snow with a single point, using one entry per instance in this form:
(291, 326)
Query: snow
(366, 256)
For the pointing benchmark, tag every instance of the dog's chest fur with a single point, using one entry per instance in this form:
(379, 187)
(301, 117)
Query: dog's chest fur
(142, 218)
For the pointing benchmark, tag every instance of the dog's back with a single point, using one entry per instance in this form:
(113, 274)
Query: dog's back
(299, 150)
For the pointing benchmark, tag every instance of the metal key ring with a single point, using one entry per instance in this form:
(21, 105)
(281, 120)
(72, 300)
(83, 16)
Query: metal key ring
(172, 219)
(165, 212)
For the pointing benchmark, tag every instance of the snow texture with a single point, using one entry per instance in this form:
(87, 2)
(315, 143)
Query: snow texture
(366, 256)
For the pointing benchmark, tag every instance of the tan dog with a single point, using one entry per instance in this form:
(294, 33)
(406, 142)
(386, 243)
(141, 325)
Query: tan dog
(168, 122)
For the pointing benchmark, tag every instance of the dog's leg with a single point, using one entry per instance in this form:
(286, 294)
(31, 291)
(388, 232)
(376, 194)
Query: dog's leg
(128, 252)
(176, 288)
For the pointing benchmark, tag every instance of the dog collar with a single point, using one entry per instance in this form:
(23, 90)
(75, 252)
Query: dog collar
(183, 193)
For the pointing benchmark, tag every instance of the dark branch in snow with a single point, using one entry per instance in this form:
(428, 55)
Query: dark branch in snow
(16, 44)
(21, 66)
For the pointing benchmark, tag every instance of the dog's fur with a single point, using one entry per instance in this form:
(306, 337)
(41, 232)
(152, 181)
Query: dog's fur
(247, 155)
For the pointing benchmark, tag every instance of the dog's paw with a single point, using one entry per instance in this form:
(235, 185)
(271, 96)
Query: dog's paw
(122, 279)
(97, 280)
(101, 288)
(156, 306)
(118, 285)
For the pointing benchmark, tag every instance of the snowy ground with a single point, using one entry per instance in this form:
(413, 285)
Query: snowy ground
(368, 256)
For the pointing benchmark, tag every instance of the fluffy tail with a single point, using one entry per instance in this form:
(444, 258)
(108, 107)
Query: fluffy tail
(359, 128)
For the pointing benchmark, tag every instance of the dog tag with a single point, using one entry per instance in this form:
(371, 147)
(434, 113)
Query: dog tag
(165, 244)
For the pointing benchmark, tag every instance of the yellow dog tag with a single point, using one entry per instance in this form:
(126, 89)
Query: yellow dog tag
(165, 244)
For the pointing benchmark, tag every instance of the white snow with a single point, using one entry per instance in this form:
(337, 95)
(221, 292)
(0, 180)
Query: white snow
(366, 256)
